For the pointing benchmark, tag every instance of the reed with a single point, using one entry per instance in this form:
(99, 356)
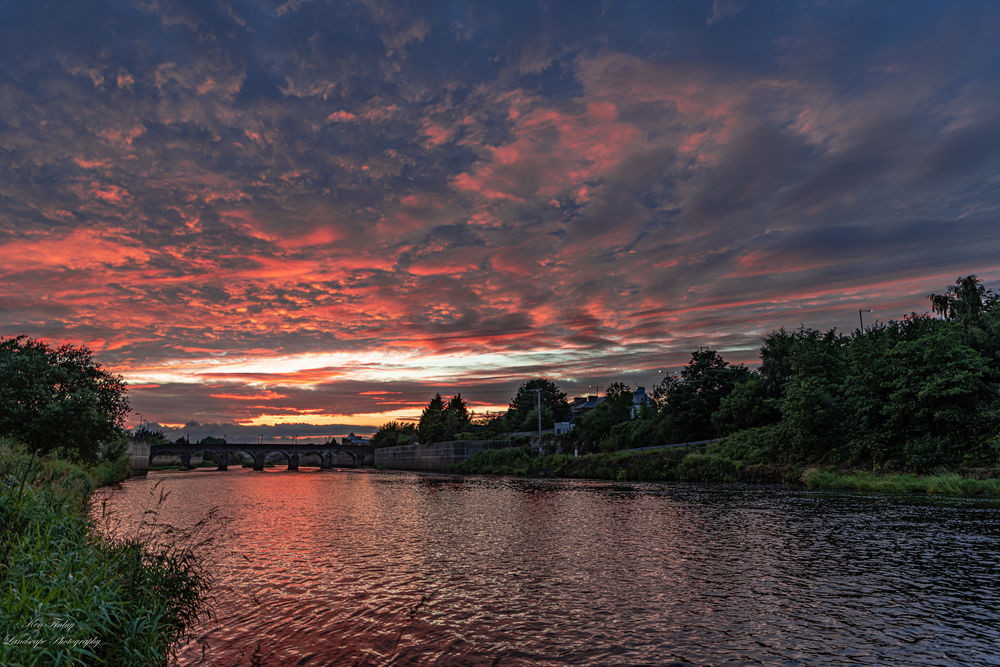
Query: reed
(69, 593)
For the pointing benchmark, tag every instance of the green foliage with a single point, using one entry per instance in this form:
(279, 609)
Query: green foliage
(916, 394)
(58, 397)
(150, 435)
(510, 461)
(440, 422)
(523, 412)
(757, 445)
(394, 433)
(135, 602)
(431, 427)
(456, 417)
(813, 416)
(593, 430)
(692, 399)
(748, 405)
(947, 484)
(964, 302)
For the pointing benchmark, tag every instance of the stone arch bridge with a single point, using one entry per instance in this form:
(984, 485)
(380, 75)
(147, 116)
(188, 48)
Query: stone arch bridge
(359, 455)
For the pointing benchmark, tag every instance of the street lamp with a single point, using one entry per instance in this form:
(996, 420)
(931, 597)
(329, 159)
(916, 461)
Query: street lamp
(861, 320)
(538, 404)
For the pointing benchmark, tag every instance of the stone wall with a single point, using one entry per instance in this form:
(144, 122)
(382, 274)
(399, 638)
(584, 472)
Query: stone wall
(138, 454)
(439, 456)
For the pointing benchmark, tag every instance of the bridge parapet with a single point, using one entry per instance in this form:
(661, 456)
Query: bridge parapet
(360, 454)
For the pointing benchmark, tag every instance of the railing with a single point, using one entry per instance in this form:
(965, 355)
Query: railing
(694, 443)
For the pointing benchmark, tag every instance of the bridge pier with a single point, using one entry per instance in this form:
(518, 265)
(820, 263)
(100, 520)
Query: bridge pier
(293, 461)
(223, 458)
(326, 461)
(186, 459)
(258, 460)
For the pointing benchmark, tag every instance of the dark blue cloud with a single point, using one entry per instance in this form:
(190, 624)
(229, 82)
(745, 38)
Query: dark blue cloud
(188, 182)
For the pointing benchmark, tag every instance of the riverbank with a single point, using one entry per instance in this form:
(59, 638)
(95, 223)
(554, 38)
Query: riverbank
(72, 595)
(681, 464)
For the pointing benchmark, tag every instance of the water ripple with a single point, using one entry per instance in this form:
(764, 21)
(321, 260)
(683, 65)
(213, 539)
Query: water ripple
(381, 568)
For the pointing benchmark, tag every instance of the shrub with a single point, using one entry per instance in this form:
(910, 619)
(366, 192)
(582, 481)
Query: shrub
(707, 468)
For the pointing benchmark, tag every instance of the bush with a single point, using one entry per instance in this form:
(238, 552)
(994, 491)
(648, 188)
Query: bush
(510, 461)
(707, 468)
(762, 444)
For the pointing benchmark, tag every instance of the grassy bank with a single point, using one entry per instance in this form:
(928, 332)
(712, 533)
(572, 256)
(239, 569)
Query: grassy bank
(70, 596)
(712, 465)
(946, 484)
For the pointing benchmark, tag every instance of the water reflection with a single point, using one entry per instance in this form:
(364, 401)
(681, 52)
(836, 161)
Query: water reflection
(379, 568)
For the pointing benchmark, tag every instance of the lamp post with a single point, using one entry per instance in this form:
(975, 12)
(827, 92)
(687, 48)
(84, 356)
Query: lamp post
(538, 405)
(861, 320)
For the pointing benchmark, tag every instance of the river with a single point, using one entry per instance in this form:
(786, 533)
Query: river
(364, 567)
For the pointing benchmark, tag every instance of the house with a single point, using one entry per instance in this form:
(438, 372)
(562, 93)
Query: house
(356, 440)
(582, 404)
(639, 399)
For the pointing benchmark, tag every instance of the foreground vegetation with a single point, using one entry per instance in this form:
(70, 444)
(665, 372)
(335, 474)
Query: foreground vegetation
(70, 595)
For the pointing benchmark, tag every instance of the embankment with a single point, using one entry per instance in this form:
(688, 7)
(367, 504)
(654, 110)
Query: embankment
(440, 456)
(678, 464)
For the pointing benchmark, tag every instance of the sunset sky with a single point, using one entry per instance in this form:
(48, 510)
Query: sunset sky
(306, 218)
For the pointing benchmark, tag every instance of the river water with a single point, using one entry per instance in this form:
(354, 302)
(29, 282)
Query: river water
(355, 567)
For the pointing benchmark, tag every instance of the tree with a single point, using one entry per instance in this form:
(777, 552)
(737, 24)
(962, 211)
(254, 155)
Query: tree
(943, 402)
(594, 429)
(147, 434)
(393, 434)
(432, 426)
(456, 417)
(59, 397)
(523, 412)
(746, 406)
(964, 302)
(691, 400)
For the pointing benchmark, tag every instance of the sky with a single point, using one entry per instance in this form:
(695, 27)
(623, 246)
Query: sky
(305, 218)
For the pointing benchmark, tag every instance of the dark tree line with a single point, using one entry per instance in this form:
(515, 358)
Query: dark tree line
(914, 394)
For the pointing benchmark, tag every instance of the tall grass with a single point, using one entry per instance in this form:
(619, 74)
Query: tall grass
(714, 465)
(946, 484)
(69, 595)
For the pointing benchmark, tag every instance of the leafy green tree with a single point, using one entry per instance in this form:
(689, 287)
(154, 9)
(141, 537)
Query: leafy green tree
(944, 400)
(394, 433)
(457, 419)
(593, 430)
(965, 302)
(813, 413)
(697, 394)
(433, 426)
(59, 397)
(776, 362)
(746, 406)
(523, 412)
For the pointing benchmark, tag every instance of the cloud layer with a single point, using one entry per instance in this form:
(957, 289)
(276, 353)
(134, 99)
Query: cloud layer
(312, 214)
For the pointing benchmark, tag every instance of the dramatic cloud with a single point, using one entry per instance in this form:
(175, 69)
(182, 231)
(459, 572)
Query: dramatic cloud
(314, 216)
